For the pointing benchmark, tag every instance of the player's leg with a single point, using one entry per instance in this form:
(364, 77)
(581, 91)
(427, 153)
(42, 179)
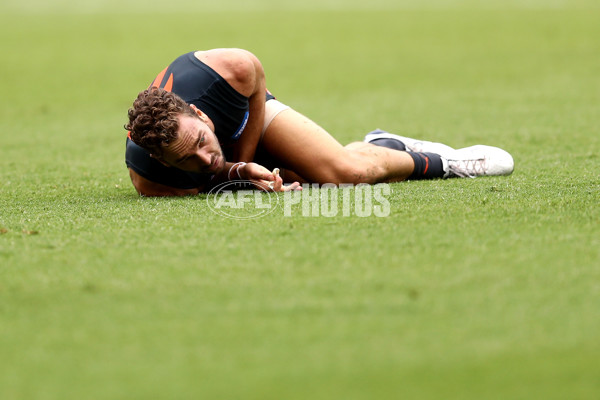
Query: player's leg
(302, 146)
(313, 155)
(470, 162)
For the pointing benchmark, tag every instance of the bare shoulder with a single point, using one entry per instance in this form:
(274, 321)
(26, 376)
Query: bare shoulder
(240, 68)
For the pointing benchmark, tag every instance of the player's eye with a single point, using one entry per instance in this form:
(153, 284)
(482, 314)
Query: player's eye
(202, 138)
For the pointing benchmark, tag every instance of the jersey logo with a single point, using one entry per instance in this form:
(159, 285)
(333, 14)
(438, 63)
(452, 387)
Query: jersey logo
(238, 133)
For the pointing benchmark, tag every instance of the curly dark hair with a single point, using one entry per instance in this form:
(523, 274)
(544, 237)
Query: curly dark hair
(153, 121)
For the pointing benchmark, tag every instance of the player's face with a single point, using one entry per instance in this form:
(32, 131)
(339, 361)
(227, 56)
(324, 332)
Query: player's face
(196, 148)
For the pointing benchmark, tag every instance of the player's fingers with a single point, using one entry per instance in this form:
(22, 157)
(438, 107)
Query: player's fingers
(277, 184)
(292, 187)
(263, 175)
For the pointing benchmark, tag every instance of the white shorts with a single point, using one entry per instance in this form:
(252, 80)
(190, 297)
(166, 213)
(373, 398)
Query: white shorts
(272, 108)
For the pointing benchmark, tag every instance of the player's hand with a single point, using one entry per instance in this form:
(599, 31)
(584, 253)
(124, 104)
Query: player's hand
(277, 184)
(266, 180)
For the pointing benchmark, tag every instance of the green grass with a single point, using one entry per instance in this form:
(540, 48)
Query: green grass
(470, 289)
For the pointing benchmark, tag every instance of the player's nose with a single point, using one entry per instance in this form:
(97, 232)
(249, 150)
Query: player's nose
(204, 157)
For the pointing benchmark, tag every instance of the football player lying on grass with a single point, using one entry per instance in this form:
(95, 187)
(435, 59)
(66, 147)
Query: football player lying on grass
(208, 118)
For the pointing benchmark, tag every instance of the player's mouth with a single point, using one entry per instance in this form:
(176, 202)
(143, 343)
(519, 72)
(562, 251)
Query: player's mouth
(216, 163)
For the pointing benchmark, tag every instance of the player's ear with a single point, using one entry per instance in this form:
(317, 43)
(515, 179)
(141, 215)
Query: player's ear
(160, 160)
(199, 112)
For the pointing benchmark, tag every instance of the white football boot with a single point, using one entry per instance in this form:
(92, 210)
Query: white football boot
(412, 145)
(479, 160)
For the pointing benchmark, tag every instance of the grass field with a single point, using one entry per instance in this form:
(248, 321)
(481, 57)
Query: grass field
(470, 289)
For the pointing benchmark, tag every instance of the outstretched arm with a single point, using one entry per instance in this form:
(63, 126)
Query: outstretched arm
(262, 178)
(251, 171)
(148, 188)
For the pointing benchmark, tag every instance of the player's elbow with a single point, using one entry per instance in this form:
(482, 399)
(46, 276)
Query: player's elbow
(147, 188)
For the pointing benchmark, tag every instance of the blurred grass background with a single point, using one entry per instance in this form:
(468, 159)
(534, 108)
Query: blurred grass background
(470, 289)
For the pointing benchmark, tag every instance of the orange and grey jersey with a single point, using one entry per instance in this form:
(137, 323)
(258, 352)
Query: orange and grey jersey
(198, 84)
